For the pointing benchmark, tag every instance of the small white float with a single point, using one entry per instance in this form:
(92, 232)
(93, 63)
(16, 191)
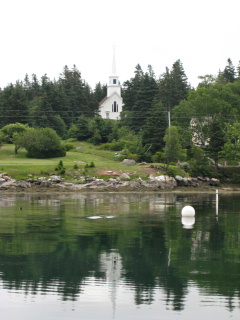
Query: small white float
(188, 211)
(94, 217)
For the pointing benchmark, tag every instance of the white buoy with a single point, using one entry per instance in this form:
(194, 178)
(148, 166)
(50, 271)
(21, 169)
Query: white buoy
(188, 211)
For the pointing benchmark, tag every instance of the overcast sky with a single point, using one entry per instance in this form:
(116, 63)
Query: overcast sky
(42, 36)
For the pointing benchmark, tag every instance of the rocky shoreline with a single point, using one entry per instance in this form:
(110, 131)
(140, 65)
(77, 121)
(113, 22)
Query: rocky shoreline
(158, 183)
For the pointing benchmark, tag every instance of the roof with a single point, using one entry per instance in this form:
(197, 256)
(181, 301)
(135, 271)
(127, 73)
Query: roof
(106, 98)
(103, 100)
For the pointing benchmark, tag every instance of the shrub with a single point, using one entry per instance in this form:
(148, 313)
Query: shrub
(42, 143)
(173, 171)
(60, 168)
(203, 171)
(68, 146)
(158, 157)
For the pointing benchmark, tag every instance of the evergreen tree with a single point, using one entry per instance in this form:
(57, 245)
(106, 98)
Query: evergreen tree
(14, 104)
(138, 96)
(73, 86)
(83, 130)
(172, 149)
(217, 140)
(228, 74)
(238, 71)
(154, 129)
(131, 88)
(99, 92)
(173, 86)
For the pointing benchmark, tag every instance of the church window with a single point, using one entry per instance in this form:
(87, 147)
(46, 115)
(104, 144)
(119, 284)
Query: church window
(107, 115)
(114, 107)
(114, 81)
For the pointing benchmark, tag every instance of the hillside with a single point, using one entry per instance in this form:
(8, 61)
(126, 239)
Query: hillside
(19, 167)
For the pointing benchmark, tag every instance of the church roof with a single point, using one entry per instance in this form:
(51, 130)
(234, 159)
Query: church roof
(106, 98)
(103, 100)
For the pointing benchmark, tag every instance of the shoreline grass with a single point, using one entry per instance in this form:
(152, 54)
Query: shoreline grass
(19, 167)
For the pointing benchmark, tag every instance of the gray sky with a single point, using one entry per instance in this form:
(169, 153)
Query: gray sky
(42, 36)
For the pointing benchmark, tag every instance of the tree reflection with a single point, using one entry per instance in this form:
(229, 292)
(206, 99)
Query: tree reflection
(56, 249)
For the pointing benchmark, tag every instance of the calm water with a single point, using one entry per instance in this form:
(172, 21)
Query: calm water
(119, 256)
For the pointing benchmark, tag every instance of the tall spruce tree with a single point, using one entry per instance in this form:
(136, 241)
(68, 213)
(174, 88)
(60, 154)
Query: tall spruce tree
(154, 129)
(228, 74)
(73, 86)
(14, 104)
(173, 86)
(138, 96)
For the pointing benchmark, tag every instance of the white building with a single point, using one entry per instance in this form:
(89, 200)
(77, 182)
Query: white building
(111, 106)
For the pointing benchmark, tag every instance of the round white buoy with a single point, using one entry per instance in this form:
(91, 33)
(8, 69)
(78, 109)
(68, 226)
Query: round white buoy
(188, 211)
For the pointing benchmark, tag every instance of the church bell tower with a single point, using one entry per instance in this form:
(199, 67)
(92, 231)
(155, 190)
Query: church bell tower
(111, 106)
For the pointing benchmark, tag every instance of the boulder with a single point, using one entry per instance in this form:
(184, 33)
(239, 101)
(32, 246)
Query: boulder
(23, 184)
(124, 176)
(55, 179)
(129, 162)
(214, 182)
(8, 184)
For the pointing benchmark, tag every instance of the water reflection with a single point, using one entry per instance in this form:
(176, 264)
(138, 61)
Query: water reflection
(135, 245)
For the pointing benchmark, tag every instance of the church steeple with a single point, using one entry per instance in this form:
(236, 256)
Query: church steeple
(114, 84)
(111, 106)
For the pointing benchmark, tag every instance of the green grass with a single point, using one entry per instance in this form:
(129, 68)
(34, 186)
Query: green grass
(19, 167)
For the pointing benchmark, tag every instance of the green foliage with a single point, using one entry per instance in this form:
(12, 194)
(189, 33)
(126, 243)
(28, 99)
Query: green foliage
(9, 130)
(173, 171)
(198, 155)
(158, 157)
(138, 95)
(173, 86)
(116, 145)
(172, 150)
(96, 138)
(42, 143)
(154, 129)
(203, 171)
(68, 146)
(229, 174)
(216, 134)
(60, 168)
(231, 148)
(12, 133)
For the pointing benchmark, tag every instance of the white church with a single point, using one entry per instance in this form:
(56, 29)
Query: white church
(111, 106)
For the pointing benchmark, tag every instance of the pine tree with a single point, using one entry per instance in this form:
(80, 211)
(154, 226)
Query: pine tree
(173, 86)
(144, 99)
(228, 74)
(217, 140)
(138, 96)
(154, 129)
(14, 104)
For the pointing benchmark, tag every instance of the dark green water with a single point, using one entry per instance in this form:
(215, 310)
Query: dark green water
(119, 256)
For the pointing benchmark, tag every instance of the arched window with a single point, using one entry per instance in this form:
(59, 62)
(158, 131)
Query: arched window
(114, 107)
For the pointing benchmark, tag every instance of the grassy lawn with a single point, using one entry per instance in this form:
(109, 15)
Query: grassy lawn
(18, 166)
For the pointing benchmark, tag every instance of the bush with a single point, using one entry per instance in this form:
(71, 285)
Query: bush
(60, 168)
(42, 143)
(158, 157)
(68, 146)
(173, 171)
(203, 171)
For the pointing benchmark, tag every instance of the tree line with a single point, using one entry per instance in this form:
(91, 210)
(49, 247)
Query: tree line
(157, 113)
